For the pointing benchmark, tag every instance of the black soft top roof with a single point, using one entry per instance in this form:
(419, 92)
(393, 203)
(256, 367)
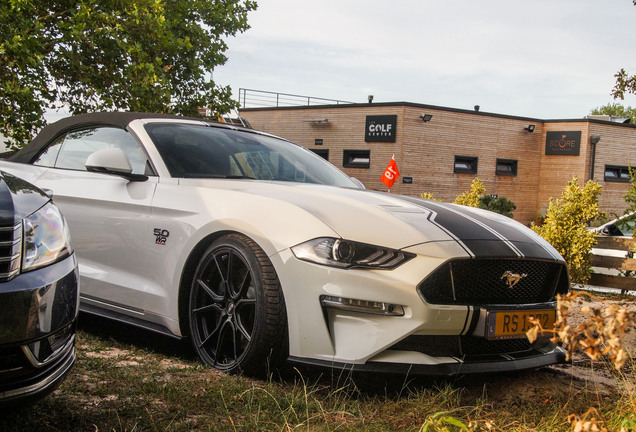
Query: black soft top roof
(115, 119)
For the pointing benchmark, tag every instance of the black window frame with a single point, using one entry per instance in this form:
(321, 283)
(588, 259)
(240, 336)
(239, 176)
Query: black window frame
(620, 170)
(512, 163)
(471, 161)
(349, 155)
(322, 152)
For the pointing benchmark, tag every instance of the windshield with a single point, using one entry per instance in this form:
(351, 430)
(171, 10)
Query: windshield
(198, 151)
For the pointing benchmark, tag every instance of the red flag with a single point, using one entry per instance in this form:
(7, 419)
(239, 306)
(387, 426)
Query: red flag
(391, 174)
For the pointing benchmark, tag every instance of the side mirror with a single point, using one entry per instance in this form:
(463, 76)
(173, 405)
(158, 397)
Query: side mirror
(112, 161)
(357, 182)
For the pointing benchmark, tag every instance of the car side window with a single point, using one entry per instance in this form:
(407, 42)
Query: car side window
(49, 156)
(72, 150)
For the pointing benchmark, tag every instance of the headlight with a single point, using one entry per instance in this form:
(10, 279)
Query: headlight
(46, 238)
(348, 254)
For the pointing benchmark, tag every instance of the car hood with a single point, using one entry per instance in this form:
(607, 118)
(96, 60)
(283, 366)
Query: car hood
(400, 222)
(18, 199)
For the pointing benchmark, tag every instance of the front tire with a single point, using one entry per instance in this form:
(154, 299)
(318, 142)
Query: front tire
(237, 316)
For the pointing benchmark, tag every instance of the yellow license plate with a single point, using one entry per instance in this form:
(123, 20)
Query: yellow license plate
(514, 324)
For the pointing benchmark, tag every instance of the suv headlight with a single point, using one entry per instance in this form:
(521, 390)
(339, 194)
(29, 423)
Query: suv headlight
(46, 238)
(349, 254)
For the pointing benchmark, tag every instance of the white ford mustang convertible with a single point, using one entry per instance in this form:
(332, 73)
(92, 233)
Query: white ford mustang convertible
(261, 252)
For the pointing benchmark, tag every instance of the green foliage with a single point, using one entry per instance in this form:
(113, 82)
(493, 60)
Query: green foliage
(501, 205)
(136, 55)
(443, 422)
(624, 84)
(475, 198)
(429, 196)
(471, 198)
(630, 195)
(616, 109)
(565, 226)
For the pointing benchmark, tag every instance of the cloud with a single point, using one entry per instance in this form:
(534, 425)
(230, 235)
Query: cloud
(541, 59)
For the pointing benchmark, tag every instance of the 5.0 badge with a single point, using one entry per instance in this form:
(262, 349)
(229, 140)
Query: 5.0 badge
(161, 236)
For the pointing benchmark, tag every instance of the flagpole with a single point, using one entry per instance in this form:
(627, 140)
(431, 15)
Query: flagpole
(392, 158)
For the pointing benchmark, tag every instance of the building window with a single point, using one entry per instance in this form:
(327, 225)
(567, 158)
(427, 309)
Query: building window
(615, 173)
(506, 167)
(465, 165)
(323, 153)
(356, 158)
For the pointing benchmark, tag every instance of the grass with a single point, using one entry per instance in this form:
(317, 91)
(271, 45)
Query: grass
(129, 380)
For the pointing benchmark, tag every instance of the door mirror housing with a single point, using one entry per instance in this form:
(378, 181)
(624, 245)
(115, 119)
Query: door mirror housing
(112, 161)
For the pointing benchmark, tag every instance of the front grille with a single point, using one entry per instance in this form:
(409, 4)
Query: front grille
(10, 251)
(17, 372)
(13, 364)
(482, 281)
(469, 347)
(476, 346)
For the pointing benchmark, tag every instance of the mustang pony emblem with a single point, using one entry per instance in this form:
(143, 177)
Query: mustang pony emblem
(512, 279)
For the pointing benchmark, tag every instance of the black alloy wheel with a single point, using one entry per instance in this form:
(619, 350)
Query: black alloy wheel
(237, 310)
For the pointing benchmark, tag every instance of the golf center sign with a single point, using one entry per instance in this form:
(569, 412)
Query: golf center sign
(381, 128)
(563, 143)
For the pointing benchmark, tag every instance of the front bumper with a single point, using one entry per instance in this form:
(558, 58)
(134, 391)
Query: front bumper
(37, 330)
(431, 339)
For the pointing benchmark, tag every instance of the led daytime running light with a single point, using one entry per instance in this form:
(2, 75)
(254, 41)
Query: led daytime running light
(363, 306)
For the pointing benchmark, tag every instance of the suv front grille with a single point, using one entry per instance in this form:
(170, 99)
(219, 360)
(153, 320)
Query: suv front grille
(482, 281)
(10, 251)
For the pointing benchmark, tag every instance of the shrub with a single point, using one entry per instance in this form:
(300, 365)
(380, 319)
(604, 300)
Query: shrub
(565, 226)
(471, 198)
(501, 205)
(429, 196)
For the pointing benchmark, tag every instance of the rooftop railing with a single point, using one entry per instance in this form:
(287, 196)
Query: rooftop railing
(249, 98)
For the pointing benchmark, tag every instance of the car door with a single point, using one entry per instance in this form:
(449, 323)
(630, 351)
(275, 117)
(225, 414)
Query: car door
(108, 216)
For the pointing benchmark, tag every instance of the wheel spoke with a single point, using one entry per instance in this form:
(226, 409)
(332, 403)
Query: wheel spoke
(207, 339)
(227, 277)
(207, 308)
(235, 264)
(245, 303)
(219, 354)
(244, 285)
(214, 296)
(245, 310)
(218, 266)
(242, 330)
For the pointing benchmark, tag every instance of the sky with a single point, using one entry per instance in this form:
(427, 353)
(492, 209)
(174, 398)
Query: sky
(544, 59)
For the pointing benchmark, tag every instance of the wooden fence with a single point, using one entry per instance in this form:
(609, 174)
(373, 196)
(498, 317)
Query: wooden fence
(626, 265)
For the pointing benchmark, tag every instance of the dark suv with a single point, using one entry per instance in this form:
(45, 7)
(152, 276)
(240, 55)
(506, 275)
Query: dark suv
(38, 293)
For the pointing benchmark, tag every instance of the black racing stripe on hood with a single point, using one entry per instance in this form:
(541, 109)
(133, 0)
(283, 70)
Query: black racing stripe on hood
(480, 240)
(481, 235)
(527, 245)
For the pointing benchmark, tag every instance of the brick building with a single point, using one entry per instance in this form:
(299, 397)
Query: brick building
(441, 150)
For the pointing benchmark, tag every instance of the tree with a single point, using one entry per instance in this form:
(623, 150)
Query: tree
(137, 55)
(624, 84)
(616, 109)
(630, 195)
(565, 226)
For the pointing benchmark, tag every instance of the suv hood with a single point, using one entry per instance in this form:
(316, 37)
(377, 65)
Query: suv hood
(18, 199)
